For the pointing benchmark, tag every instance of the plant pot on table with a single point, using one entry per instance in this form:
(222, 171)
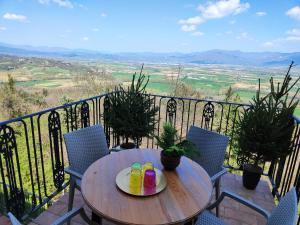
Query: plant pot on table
(169, 162)
(128, 145)
(251, 176)
(124, 146)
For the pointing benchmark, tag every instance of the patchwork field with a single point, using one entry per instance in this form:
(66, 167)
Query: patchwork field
(210, 81)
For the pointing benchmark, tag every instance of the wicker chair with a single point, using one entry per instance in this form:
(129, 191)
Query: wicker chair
(84, 147)
(212, 147)
(284, 214)
(61, 220)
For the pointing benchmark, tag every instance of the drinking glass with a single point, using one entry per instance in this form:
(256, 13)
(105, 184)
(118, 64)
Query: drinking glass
(147, 166)
(136, 165)
(149, 179)
(135, 179)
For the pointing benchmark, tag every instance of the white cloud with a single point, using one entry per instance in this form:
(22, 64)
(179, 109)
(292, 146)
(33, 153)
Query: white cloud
(16, 17)
(188, 28)
(245, 36)
(63, 36)
(44, 2)
(85, 38)
(291, 37)
(222, 8)
(64, 3)
(190, 23)
(192, 20)
(293, 32)
(2, 28)
(294, 13)
(82, 6)
(213, 10)
(269, 44)
(103, 14)
(95, 29)
(197, 34)
(61, 3)
(261, 13)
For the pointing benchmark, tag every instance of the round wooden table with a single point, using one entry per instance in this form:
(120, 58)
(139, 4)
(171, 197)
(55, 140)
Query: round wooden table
(188, 191)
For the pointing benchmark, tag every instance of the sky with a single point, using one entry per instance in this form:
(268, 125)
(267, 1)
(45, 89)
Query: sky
(153, 25)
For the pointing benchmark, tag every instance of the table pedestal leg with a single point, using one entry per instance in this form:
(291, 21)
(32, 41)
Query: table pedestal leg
(96, 219)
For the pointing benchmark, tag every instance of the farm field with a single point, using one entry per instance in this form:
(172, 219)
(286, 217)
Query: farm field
(210, 81)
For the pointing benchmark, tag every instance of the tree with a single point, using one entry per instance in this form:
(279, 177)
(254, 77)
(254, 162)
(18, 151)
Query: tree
(131, 112)
(16, 102)
(265, 130)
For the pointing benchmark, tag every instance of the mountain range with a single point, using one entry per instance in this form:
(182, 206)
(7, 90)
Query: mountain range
(206, 57)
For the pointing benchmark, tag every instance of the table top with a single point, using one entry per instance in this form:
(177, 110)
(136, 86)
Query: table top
(188, 191)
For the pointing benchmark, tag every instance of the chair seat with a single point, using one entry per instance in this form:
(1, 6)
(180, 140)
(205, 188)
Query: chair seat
(207, 218)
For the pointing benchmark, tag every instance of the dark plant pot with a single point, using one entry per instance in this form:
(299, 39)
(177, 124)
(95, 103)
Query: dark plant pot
(128, 145)
(169, 162)
(251, 176)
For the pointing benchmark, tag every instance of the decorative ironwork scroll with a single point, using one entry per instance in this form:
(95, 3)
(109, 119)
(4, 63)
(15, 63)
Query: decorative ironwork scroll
(208, 115)
(10, 172)
(55, 137)
(171, 111)
(85, 114)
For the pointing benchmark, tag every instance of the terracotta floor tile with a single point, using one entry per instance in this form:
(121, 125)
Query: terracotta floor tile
(231, 212)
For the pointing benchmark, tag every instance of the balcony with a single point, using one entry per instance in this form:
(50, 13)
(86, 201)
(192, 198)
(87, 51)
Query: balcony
(34, 185)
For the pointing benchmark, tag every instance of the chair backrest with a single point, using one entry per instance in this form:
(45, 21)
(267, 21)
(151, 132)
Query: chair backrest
(211, 146)
(286, 211)
(85, 146)
(13, 219)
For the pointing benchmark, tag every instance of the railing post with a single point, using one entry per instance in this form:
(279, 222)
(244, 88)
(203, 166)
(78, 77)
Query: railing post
(106, 106)
(55, 137)
(279, 173)
(85, 114)
(10, 172)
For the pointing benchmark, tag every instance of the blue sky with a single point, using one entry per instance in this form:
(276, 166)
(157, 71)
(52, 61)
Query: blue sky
(155, 26)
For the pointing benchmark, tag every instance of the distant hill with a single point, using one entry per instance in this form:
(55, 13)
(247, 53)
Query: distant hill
(207, 57)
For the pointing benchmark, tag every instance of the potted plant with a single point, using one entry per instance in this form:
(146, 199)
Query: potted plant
(131, 112)
(172, 149)
(265, 129)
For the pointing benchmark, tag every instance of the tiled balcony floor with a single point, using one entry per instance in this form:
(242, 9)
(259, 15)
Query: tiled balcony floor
(232, 212)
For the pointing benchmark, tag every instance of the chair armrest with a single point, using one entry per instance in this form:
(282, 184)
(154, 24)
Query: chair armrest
(240, 200)
(13, 219)
(69, 215)
(218, 175)
(73, 173)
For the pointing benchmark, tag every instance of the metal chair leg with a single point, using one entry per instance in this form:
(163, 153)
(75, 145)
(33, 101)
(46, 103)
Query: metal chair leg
(217, 187)
(96, 220)
(71, 196)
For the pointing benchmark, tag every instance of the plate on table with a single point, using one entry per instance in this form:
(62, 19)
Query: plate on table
(122, 181)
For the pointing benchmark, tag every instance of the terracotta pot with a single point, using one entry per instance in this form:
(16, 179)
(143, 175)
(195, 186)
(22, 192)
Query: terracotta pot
(251, 176)
(128, 145)
(169, 162)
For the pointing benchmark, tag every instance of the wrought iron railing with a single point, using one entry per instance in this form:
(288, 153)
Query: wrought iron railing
(33, 157)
